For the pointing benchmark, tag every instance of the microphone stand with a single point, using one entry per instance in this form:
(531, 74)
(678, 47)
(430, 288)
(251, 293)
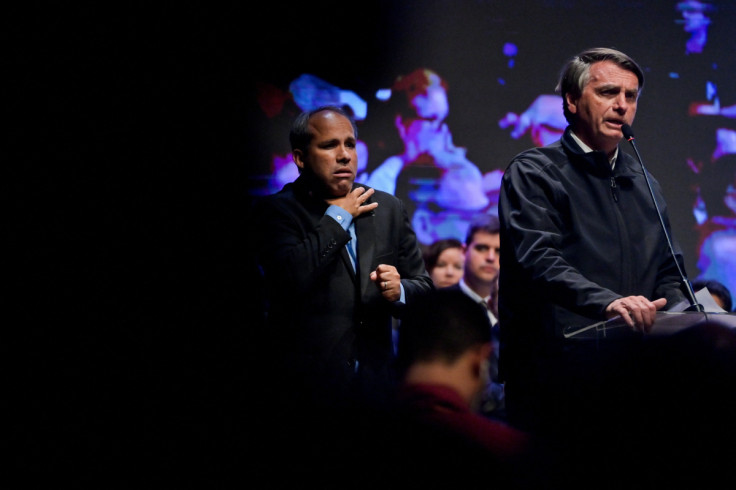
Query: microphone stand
(694, 305)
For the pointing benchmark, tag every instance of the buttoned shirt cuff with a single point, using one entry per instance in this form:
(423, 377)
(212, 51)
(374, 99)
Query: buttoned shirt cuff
(340, 215)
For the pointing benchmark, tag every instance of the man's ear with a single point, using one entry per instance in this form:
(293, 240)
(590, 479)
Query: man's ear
(572, 103)
(298, 157)
(485, 350)
(481, 357)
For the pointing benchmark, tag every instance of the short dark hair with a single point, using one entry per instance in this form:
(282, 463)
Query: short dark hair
(433, 251)
(575, 75)
(488, 223)
(300, 136)
(441, 325)
(715, 288)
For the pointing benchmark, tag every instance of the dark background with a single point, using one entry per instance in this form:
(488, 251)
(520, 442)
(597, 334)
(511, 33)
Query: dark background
(135, 141)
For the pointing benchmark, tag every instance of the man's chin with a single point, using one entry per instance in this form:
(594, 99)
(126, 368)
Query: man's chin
(341, 189)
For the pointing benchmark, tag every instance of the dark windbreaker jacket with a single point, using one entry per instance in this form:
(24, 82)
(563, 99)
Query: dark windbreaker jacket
(576, 235)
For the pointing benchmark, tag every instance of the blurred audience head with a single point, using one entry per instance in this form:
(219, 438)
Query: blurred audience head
(445, 261)
(446, 338)
(482, 251)
(718, 290)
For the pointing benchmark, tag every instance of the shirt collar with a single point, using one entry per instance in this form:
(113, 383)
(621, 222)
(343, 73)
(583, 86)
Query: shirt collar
(477, 297)
(588, 149)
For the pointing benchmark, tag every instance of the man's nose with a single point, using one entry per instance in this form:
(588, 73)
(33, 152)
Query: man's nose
(621, 104)
(344, 154)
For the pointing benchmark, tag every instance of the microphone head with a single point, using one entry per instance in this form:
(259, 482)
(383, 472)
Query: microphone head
(627, 131)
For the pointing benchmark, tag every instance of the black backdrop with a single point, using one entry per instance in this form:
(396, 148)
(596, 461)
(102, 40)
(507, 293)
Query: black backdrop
(135, 141)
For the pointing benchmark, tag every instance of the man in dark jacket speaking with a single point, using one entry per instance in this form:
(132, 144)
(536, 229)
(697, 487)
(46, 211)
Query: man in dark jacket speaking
(581, 242)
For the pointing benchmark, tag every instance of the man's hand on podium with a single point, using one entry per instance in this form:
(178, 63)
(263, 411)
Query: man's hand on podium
(637, 311)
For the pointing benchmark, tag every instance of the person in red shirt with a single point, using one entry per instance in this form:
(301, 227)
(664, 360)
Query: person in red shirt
(443, 351)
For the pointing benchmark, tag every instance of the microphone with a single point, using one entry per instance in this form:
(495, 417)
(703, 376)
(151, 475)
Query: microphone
(694, 305)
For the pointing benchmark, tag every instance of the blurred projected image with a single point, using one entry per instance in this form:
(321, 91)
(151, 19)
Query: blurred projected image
(715, 211)
(544, 120)
(695, 22)
(441, 188)
(714, 205)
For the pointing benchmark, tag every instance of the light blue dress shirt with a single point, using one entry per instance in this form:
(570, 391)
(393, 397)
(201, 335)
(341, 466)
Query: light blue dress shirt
(345, 220)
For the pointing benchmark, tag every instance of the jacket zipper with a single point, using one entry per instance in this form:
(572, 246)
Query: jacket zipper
(613, 189)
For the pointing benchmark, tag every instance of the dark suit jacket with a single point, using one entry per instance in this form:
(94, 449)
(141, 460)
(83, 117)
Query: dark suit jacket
(323, 315)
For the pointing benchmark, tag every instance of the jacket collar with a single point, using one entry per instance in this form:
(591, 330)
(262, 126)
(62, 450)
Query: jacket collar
(596, 162)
